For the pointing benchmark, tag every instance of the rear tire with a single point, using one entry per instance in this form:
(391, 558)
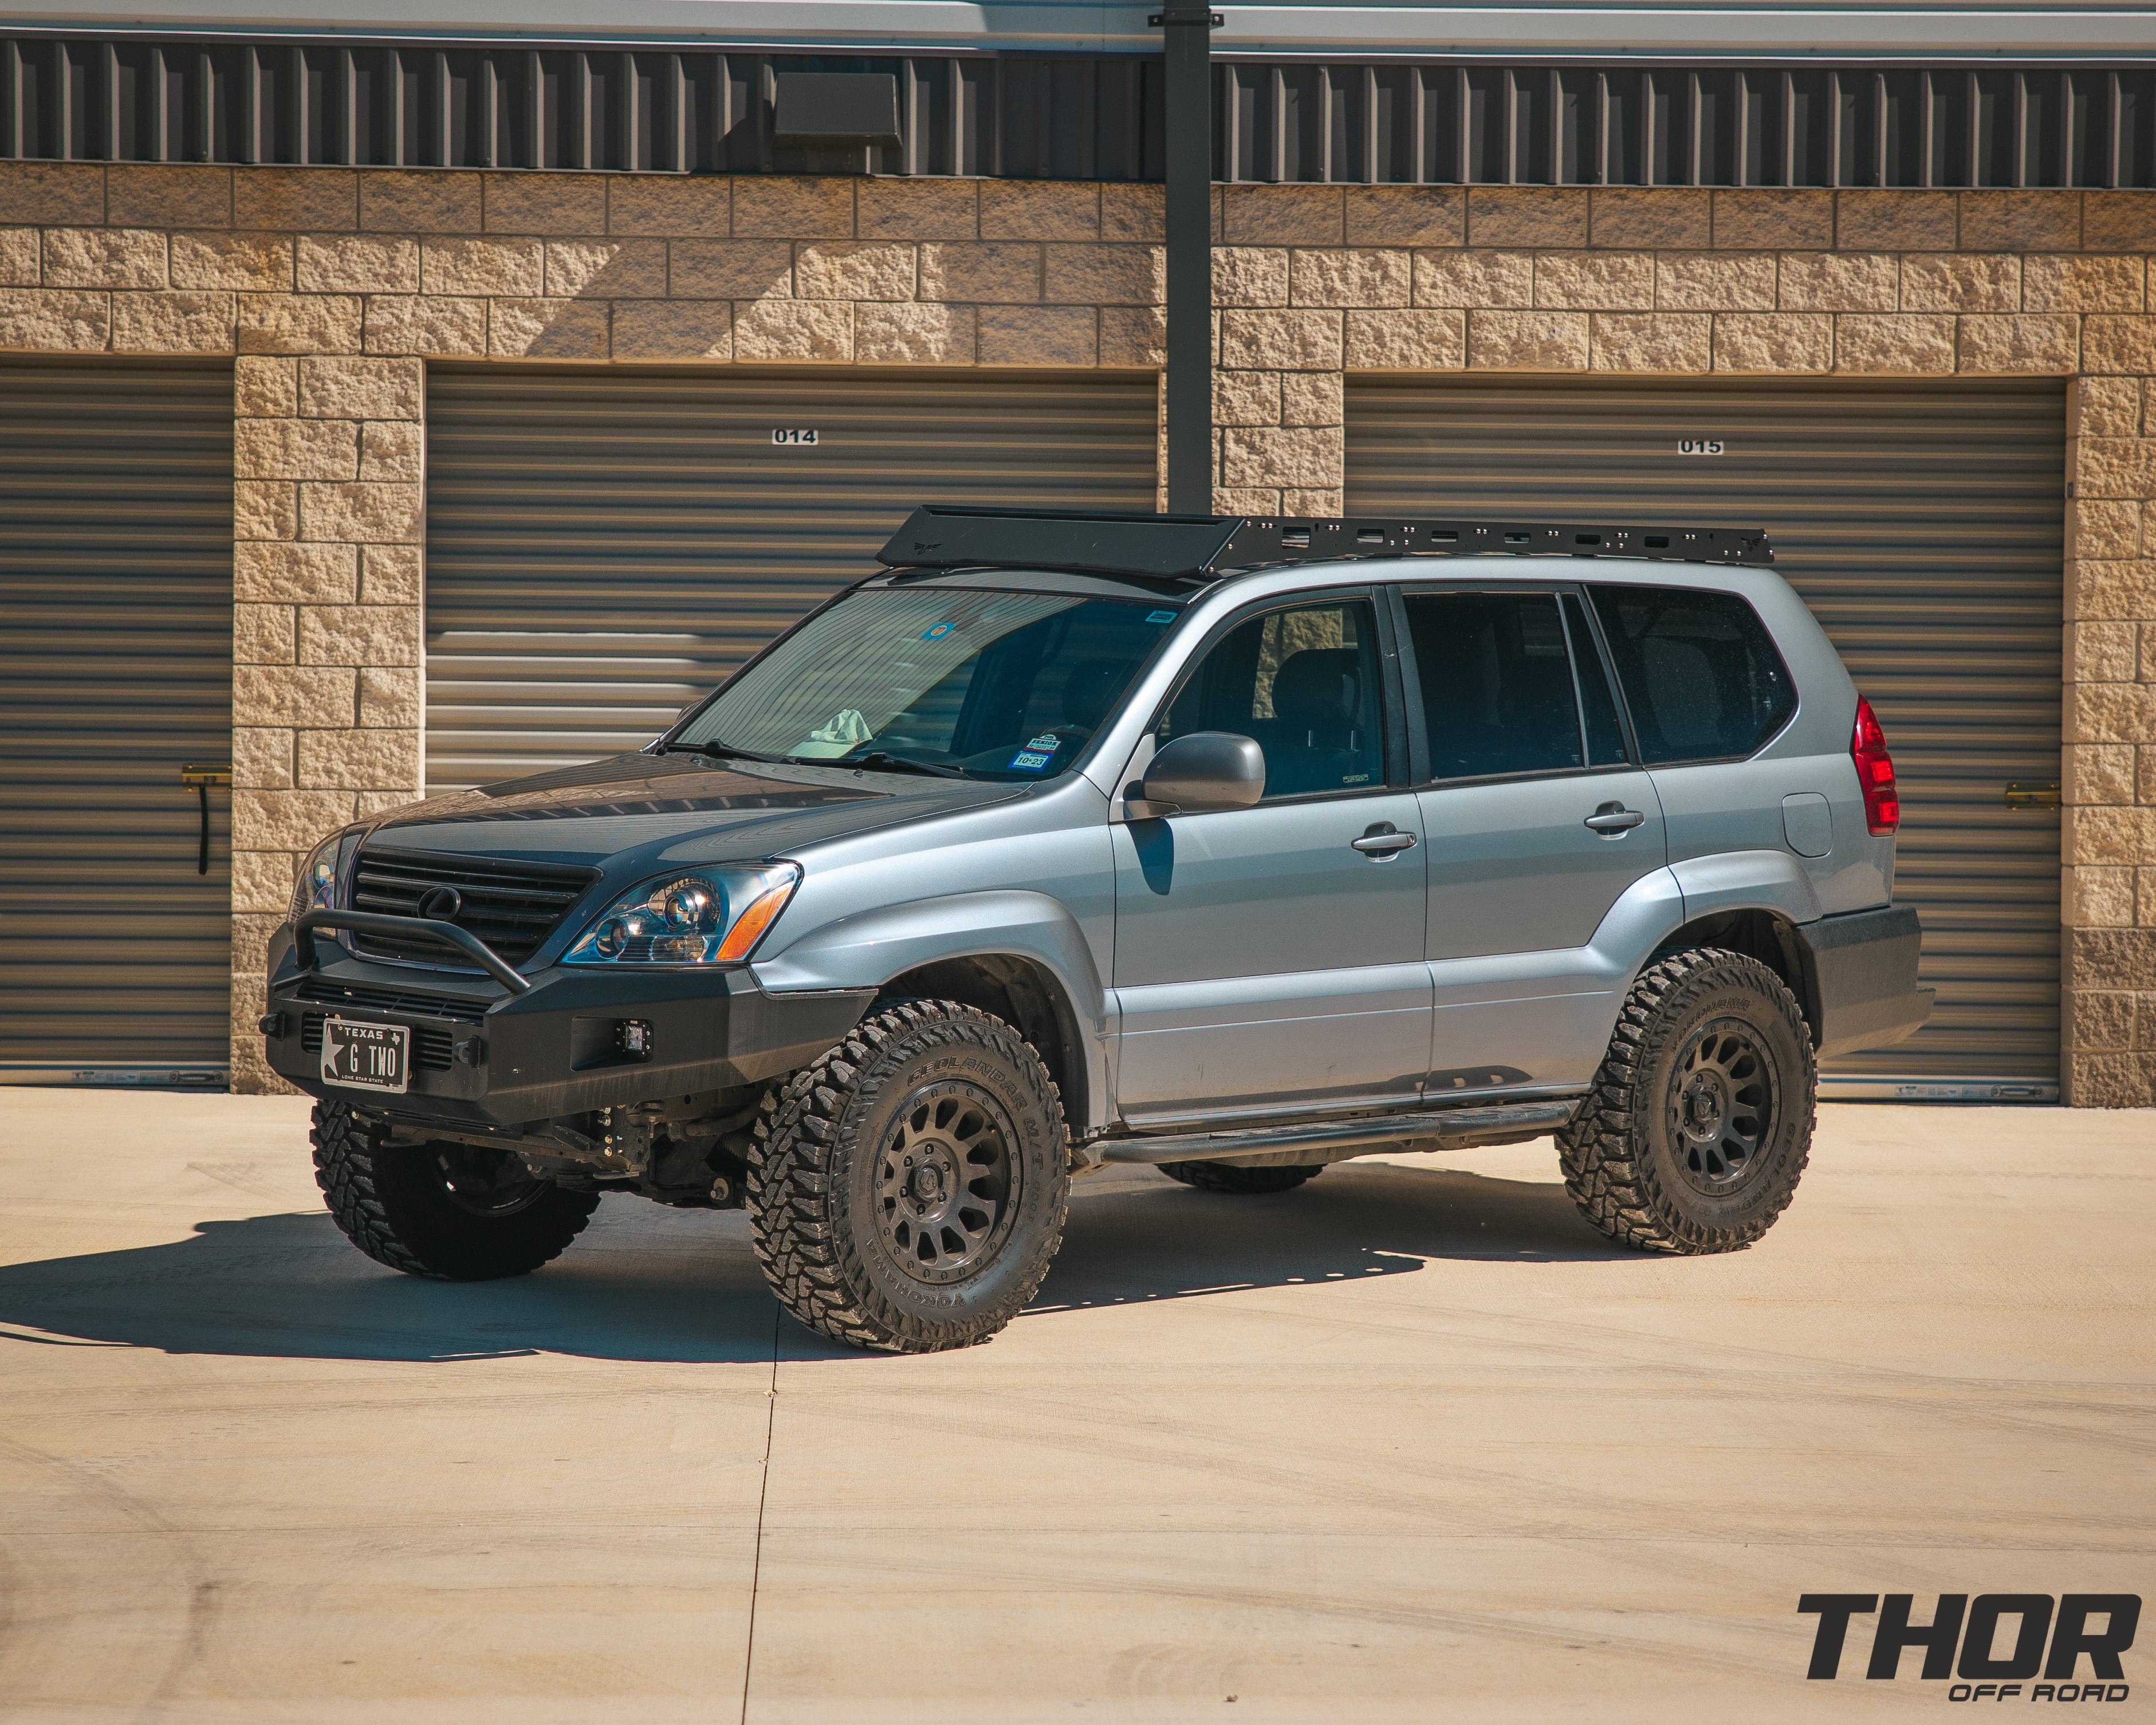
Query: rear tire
(1218, 1176)
(1700, 1121)
(449, 1212)
(906, 1191)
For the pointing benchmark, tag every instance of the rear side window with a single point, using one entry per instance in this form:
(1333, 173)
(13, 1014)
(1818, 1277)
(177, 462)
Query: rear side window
(1699, 671)
(1497, 691)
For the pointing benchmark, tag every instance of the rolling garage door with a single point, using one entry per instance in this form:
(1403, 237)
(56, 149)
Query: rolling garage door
(604, 547)
(1922, 523)
(116, 672)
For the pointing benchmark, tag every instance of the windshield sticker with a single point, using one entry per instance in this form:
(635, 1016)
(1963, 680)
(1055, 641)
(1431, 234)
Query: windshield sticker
(937, 631)
(1160, 617)
(1027, 761)
(1048, 740)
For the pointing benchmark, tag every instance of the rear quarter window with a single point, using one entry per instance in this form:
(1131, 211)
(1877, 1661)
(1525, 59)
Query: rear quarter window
(1700, 671)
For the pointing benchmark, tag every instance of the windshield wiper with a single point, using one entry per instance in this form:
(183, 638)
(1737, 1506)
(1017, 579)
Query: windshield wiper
(719, 751)
(883, 761)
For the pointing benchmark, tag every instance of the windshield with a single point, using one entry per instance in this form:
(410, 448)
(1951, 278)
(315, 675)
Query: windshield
(996, 685)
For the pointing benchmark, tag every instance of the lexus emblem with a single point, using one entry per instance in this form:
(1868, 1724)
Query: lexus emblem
(440, 904)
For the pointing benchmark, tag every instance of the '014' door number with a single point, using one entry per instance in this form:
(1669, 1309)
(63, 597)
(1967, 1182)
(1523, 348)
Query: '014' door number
(797, 435)
(1701, 446)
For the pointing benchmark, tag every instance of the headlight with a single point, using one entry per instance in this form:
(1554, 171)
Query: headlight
(712, 916)
(315, 890)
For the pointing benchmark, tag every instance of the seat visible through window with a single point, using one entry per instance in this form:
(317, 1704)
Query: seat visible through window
(1302, 682)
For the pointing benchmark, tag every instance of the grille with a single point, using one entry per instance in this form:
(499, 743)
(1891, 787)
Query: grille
(396, 1000)
(513, 906)
(430, 1049)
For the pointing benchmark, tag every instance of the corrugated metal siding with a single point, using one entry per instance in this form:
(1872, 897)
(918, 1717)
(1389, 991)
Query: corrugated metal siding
(116, 670)
(603, 547)
(1923, 525)
(1079, 117)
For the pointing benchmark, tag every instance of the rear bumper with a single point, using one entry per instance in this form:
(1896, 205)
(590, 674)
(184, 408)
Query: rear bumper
(1862, 969)
(484, 1058)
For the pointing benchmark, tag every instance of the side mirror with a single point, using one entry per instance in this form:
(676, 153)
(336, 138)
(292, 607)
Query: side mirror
(1205, 770)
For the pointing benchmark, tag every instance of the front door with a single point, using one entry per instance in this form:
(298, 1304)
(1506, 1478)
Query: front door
(1537, 821)
(1264, 963)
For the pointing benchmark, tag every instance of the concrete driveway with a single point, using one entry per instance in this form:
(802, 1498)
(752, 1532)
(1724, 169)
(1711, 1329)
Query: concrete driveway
(1410, 1442)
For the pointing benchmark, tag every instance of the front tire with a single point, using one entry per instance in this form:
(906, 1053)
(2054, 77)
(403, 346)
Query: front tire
(449, 1212)
(1700, 1121)
(906, 1191)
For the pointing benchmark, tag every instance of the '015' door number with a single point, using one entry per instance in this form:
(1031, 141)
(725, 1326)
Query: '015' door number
(1701, 446)
(797, 435)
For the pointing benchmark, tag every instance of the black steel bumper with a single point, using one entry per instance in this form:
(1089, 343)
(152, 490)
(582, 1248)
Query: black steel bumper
(1862, 974)
(482, 1056)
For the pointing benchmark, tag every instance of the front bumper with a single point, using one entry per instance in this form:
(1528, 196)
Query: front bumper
(483, 1057)
(1862, 975)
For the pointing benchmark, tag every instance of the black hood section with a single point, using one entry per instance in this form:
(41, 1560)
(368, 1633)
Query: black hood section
(680, 809)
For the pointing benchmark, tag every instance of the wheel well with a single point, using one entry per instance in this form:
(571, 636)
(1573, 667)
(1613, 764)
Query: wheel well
(1021, 992)
(1773, 940)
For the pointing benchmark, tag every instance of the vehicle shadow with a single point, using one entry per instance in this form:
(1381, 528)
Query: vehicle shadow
(650, 1285)
(1134, 1236)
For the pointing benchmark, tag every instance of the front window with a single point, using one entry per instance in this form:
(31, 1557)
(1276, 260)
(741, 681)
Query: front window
(996, 685)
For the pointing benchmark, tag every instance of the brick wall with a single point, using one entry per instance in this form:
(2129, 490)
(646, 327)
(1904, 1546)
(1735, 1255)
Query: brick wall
(333, 288)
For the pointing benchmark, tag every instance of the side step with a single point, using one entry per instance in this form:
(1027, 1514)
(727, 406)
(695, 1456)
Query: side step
(1440, 1129)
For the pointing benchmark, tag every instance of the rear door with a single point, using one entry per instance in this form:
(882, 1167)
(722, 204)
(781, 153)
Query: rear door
(1264, 963)
(1537, 820)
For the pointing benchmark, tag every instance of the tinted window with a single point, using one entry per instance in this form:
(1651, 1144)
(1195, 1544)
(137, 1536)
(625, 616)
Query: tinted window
(1304, 683)
(1496, 683)
(1605, 735)
(1699, 671)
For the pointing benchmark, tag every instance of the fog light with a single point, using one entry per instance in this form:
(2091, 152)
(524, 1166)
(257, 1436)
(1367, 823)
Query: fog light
(632, 1039)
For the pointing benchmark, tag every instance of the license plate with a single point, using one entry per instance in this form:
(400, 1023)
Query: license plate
(365, 1056)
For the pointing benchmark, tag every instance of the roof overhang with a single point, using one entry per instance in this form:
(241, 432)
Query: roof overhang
(1913, 32)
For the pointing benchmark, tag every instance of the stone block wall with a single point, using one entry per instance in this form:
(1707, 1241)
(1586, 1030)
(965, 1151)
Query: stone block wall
(331, 289)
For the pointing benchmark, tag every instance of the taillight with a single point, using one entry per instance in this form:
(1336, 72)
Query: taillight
(1875, 773)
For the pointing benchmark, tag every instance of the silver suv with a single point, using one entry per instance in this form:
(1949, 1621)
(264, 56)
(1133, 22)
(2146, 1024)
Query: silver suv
(1236, 847)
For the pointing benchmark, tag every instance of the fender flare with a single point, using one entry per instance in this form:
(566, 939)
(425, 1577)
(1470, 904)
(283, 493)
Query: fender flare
(866, 951)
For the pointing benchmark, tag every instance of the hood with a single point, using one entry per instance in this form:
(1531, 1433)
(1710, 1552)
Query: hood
(677, 809)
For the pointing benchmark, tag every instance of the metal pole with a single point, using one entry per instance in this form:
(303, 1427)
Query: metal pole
(1186, 33)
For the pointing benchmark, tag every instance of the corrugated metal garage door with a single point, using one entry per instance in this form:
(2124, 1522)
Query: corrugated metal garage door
(116, 670)
(602, 547)
(1922, 523)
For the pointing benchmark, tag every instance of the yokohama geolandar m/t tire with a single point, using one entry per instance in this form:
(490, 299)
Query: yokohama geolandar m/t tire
(906, 1191)
(452, 1212)
(1700, 1121)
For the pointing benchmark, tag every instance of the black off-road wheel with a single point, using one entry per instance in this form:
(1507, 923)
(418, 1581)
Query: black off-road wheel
(1218, 1176)
(1700, 1121)
(449, 1212)
(906, 1191)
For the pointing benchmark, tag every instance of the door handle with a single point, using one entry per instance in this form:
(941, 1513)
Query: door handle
(200, 780)
(1614, 818)
(1381, 841)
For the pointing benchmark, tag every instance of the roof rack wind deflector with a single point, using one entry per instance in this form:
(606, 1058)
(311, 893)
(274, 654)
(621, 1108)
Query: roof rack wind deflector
(1198, 547)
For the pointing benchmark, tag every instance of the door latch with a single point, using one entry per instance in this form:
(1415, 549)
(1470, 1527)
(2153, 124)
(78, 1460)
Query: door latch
(1383, 840)
(1612, 819)
(2033, 793)
(203, 778)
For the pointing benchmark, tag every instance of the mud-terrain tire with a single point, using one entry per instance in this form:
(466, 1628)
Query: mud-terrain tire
(906, 1191)
(1218, 1176)
(449, 1212)
(1700, 1121)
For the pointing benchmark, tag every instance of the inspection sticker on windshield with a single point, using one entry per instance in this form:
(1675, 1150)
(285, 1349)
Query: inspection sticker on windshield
(1029, 761)
(937, 631)
(1160, 617)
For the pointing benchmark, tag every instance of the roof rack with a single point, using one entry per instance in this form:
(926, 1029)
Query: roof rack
(1201, 547)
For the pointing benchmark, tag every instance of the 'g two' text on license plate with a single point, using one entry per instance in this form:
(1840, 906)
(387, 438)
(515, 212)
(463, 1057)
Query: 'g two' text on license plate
(365, 1056)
